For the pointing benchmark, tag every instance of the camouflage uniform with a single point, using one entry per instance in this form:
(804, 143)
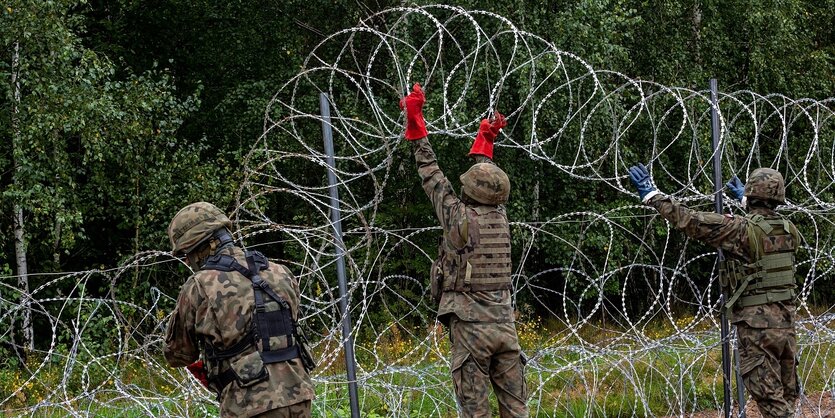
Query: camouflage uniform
(299, 410)
(767, 338)
(216, 307)
(485, 346)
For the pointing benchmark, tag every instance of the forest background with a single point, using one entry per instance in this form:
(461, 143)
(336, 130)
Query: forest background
(116, 113)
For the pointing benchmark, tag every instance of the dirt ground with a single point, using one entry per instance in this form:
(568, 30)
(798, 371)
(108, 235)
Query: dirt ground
(817, 405)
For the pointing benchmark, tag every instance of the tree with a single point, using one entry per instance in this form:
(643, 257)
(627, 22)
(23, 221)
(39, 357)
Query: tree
(83, 134)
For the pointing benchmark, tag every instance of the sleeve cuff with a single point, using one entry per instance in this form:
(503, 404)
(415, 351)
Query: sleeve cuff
(649, 196)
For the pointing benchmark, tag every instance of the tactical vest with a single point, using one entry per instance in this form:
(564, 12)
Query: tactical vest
(272, 324)
(769, 277)
(484, 264)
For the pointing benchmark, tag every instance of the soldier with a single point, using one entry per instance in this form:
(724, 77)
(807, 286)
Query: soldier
(471, 278)
(238, 311)
(758, 273)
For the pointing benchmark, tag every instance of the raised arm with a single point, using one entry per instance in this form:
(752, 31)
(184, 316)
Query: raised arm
(449, 209)
(719, 231)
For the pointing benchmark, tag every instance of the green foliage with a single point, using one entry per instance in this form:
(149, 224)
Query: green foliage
(130, 110)
(92, 141)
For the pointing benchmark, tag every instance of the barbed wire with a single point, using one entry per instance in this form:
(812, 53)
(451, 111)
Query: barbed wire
(578, 274)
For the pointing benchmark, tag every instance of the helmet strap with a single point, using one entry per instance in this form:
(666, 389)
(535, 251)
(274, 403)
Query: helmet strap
(219, 240)
(467, 199)
(212, 246)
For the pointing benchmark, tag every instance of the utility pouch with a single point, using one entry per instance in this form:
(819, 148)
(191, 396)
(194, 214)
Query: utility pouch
(723, 274)
(436, 280)
(436, 275)
(730, 272)
(249, 370)
(304, 351)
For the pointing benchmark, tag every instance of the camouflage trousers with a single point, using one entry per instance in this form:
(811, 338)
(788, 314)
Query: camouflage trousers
(298, 410)
(486, 353)
(769, 368)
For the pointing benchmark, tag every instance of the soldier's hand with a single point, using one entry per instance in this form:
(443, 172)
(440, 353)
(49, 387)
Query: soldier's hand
(198, 370)
(737, 188)
(413, 105)
(497, 122)
(487, 132)
(639, 175)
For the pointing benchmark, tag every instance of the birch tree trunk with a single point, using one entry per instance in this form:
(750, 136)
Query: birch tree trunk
(696, 26)
(19, 226)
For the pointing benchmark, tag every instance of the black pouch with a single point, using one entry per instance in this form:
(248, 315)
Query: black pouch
(250, 370)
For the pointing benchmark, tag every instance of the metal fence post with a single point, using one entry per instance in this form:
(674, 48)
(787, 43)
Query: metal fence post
(724, 326)
(348, 340)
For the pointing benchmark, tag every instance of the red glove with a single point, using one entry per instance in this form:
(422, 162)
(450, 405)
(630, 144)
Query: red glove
(413, 104)
(487, 132)
(199, 372)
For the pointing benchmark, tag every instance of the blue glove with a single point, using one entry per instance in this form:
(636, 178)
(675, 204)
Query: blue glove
(737, 188)
(642, 181)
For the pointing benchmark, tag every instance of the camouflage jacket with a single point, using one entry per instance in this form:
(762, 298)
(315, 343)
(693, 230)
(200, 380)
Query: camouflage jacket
(729, 233)
(216, 307)
(484, 306)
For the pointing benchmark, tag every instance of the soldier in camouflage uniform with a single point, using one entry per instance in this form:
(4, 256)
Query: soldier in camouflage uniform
(471, 279)
(214, 319)
(759, 275)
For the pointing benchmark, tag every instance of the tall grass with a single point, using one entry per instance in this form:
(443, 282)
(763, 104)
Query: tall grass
(584, 372)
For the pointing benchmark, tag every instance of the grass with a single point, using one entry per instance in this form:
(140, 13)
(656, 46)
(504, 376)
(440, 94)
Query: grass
(592, 372)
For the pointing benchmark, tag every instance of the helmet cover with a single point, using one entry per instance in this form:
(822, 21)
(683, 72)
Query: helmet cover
(194, 224)
(486, 183)
(766, 184)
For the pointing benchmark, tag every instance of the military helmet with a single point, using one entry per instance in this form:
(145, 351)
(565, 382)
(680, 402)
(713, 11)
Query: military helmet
(766, 184)
(193, 225)
(486, 183)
